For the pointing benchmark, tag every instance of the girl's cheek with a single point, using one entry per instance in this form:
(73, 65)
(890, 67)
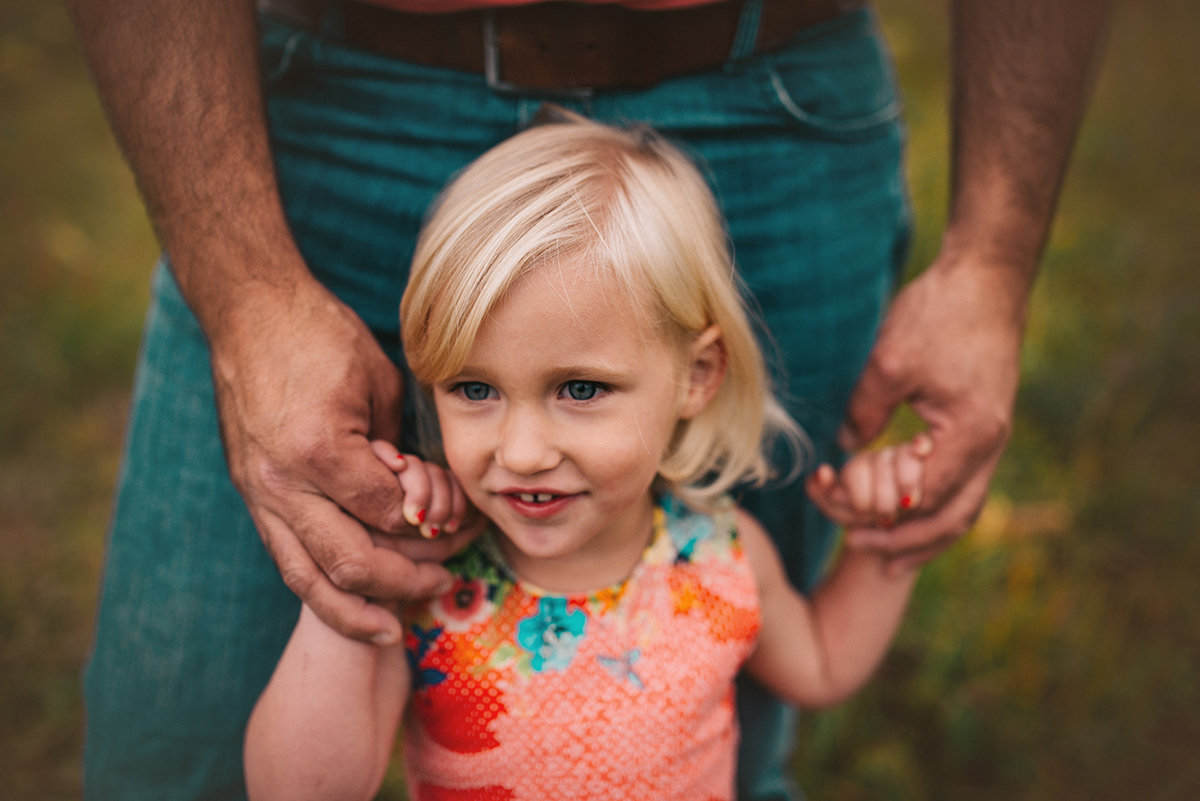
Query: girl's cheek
(463, 452)
(626, 456)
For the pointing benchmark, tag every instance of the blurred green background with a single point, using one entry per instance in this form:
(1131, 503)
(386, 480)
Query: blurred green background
(1054, 653)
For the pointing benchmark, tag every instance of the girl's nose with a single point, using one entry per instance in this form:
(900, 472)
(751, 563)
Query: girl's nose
(527, 443)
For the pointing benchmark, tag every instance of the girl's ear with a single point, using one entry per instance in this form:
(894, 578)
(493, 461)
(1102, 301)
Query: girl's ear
(706, 371)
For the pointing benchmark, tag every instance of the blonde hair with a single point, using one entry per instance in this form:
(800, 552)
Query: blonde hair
(627, 206)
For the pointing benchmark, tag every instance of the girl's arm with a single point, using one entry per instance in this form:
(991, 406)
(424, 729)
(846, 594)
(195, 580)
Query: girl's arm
(325, 726)
(817, 653)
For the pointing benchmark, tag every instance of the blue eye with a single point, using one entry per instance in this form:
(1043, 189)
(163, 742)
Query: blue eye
(582, 390)
(475, 390)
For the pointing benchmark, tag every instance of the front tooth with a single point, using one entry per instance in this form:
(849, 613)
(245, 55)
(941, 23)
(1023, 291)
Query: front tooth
(527, 497)
(544, 498)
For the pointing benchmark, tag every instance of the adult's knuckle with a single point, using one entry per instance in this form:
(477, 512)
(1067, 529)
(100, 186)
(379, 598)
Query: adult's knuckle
(267, 477)
(392, 520)
(997, 426)
(316, 452)
(888, 366)
(992, 424)
(378, 502)
(350, 572)
(352, 628)
(299, 579)
(239, 474)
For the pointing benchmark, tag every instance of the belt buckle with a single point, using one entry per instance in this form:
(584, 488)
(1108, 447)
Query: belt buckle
(491, 67)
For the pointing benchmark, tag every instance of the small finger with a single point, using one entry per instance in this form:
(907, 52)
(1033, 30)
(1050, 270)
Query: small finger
(936, 527)
(823, 490)
(458, 504)
(386, 452)
(858, 479)
(819, 485)
(887, 499)
(440, 502)
(417, 492)
(910, 473)
(825, 476)
(936, 530)
(352, 476)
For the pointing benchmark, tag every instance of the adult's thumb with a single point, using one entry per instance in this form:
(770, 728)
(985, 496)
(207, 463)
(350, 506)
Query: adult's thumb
(874, 399)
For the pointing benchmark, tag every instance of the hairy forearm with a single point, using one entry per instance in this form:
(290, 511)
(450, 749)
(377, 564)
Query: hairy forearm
(1022, 73)
(180, 83)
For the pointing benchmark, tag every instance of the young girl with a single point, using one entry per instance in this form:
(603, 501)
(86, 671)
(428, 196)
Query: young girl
(574, 316)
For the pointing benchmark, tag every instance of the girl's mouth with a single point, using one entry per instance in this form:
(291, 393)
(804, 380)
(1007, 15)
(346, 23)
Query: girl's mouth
(538, 505)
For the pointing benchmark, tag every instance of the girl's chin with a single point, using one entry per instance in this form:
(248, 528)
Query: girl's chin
(532, 545)
(550, 567)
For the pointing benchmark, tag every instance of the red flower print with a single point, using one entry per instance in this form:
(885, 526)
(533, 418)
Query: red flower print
(463, 605)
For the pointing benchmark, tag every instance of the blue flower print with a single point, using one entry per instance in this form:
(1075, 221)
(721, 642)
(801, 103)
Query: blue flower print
(621, 668)
(552, 635)
(686, 528)
(423, 677)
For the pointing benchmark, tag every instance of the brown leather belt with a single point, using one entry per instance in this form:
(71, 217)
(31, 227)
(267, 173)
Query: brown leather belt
(575, 47)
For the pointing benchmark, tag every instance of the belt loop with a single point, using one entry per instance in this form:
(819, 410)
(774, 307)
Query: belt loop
(745, 40)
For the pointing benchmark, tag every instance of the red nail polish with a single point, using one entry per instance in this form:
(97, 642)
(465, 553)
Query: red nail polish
(420, 515)
(906, 502)
(433, 532)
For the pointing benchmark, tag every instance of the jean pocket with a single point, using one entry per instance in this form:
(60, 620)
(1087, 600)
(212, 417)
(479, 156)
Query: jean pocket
(834, 82)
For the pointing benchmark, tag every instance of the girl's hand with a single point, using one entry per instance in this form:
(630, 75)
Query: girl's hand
(433, 499)
(875, 489)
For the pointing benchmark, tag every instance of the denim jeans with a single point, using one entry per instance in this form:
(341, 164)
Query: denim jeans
(803, 147)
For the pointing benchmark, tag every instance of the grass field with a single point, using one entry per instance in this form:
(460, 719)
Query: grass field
(1052, 654)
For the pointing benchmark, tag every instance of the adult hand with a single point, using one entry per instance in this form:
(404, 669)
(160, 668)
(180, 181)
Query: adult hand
(300, 383)
(950, 347)
(302, 388)
(950, 344)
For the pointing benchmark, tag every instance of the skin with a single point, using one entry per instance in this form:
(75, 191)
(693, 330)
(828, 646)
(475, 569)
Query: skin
(300, 383)
(512, 426)
(301, 386)
(950, 344)
(324, 727)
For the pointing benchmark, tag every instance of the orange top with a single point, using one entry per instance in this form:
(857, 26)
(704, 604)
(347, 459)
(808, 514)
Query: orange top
(622, 693)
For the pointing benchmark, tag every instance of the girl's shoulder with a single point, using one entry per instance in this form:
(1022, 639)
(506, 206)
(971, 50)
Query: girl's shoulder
(760, 551)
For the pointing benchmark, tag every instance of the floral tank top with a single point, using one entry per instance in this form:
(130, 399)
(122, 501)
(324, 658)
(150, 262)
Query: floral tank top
(625, 693)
